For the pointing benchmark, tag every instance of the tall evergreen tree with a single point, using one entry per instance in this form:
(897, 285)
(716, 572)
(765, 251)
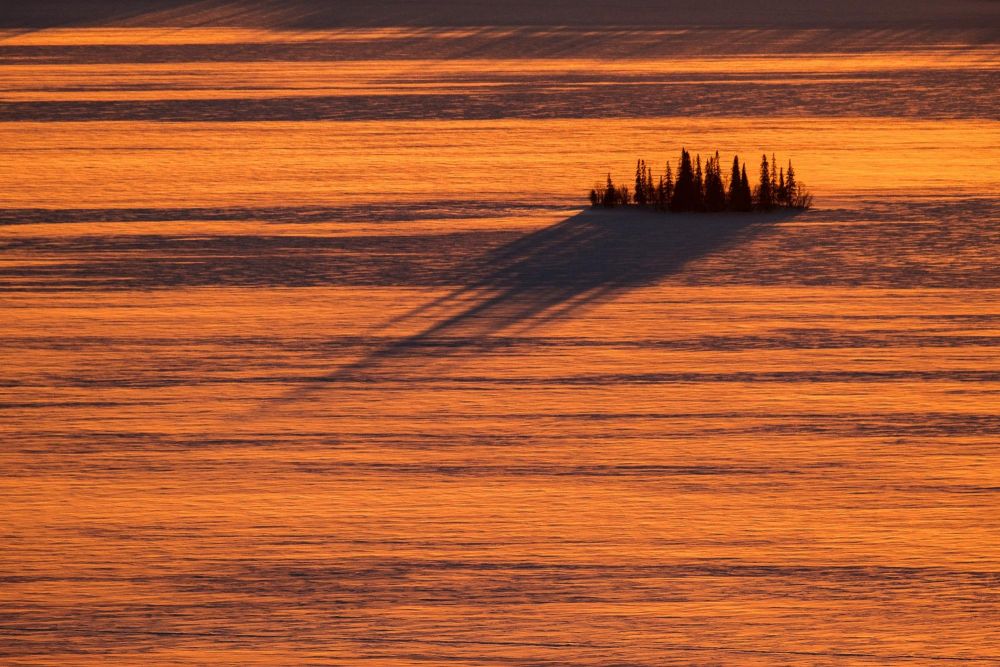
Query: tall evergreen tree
(650, 188)
(640, 183)
(684, 198)
(765, 196)
(669, 185)
(708, 175)
(746, 197)
(734, 185)
(715, 189)
(782, 190)
(774, 178)
(791, 186)
(699, 186)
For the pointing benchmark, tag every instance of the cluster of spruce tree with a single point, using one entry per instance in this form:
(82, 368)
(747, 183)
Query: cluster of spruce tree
(706, 189)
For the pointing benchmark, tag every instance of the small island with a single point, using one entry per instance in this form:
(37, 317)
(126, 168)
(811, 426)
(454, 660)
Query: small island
(700, 189)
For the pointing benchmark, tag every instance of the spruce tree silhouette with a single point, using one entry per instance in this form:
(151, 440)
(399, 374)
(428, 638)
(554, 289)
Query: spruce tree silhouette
(765, 196)
(650, 188)
(791, 187)
(684, 190)
(707, 183)
(746, 197)
(699, 186)
(640, 183)
(715, 189)
(668, 186)
(735, 191)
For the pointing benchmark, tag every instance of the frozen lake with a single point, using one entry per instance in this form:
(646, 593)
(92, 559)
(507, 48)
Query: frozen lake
(310, 353)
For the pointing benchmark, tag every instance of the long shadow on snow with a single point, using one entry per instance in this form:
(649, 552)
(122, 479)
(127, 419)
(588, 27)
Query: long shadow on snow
(552, 274)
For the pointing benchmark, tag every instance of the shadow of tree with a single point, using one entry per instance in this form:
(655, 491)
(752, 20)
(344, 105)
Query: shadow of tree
(552, 274)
